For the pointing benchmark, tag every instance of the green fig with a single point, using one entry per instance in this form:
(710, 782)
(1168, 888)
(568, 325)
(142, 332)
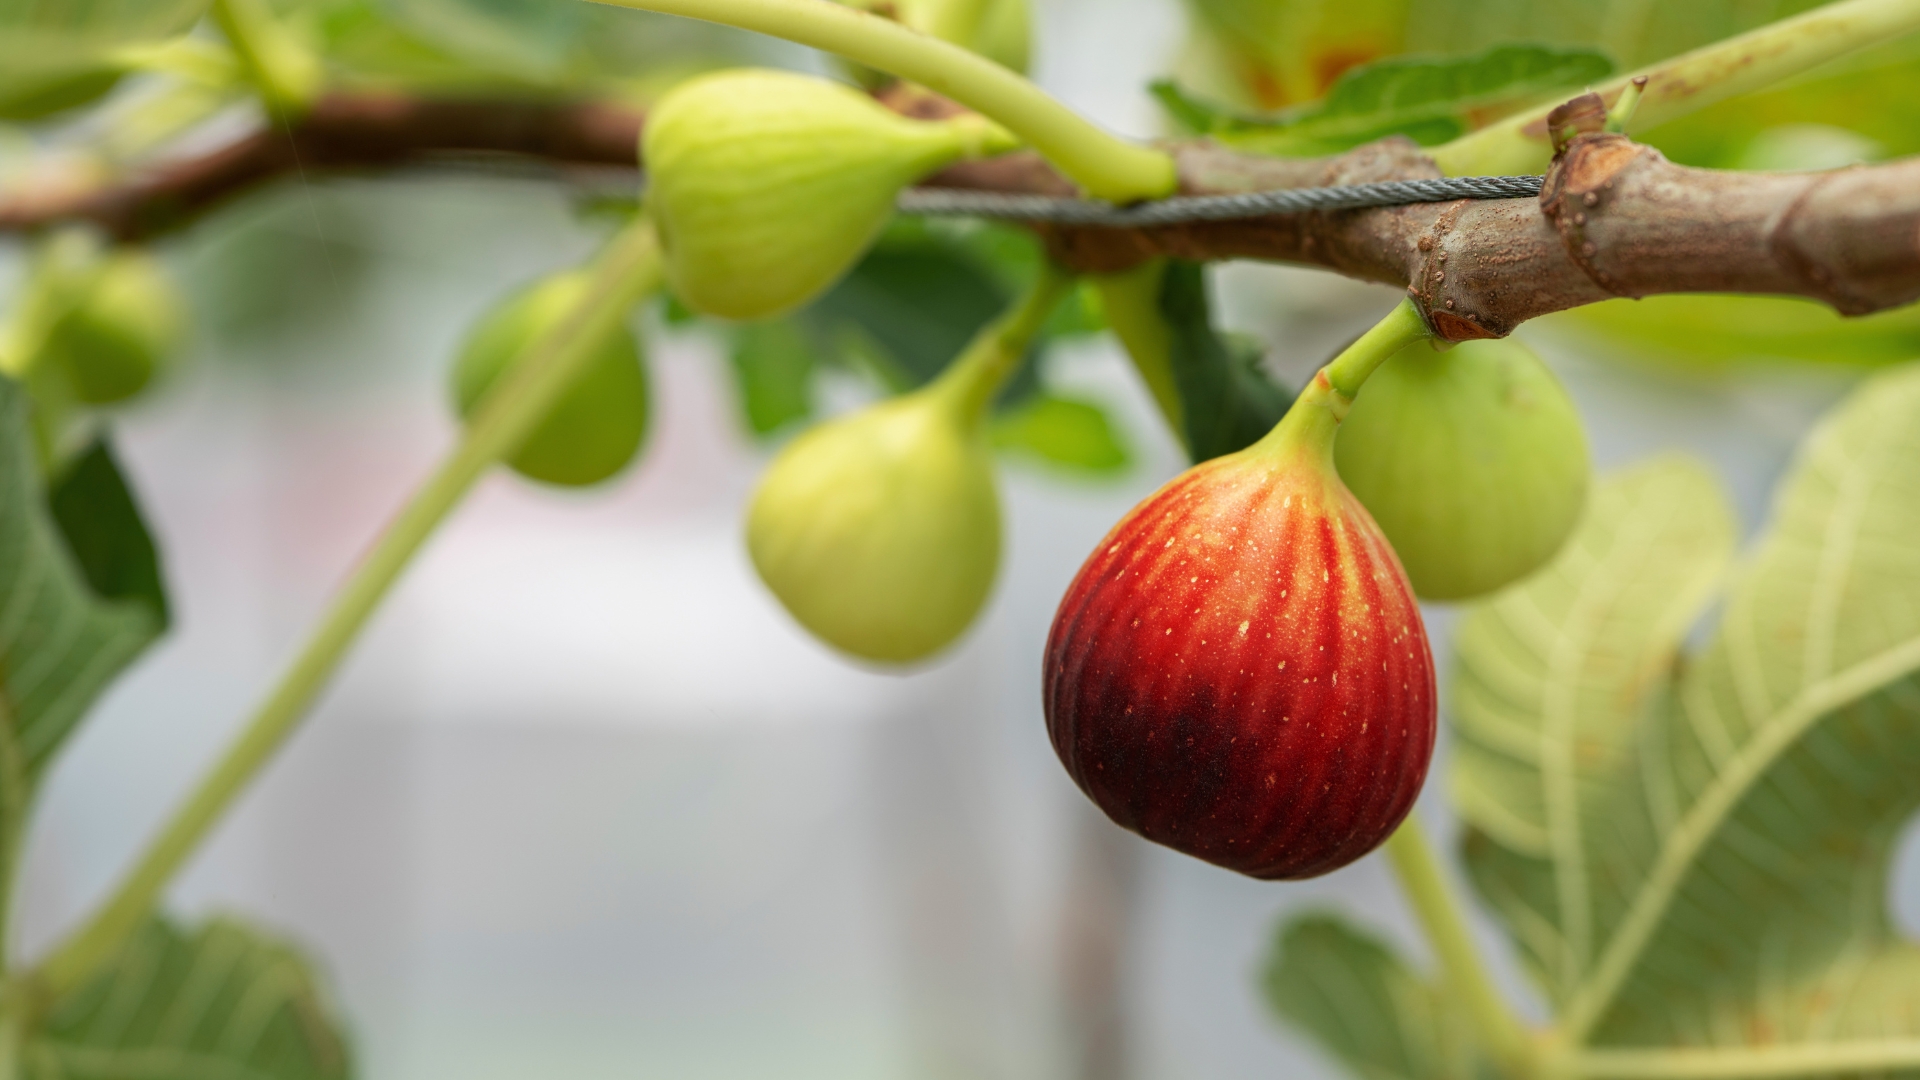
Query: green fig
(124, 322)
(881, 532)
(767, 186)
(1472, 460)
(597, 427)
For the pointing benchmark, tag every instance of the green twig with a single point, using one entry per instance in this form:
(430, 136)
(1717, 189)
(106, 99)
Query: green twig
(1465, 978)
(626, 271)
(1107, 167)
(1775, 1061)
(1739, 65)
(979, 372)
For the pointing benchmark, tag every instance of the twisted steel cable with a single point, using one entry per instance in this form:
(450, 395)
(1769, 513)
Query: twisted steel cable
(961, 202)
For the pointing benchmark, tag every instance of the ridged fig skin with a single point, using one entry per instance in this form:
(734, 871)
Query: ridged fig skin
(1240, 672)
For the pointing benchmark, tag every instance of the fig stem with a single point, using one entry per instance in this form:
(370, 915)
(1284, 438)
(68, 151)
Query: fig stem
(628, 269)
(1400, 328)
(996, 351)
(1441, 917)
(1106, 166)
(1309, 426)
(1692, 81)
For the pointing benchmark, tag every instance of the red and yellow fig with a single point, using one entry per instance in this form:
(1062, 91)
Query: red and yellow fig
(1239, 671)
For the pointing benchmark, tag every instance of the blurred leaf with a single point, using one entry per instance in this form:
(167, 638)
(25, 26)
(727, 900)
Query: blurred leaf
(1274, 53)
(276, 265)
(1062, 431)
(528, 39)
(222, 1001)
(54, 54)
(1227, 399)
(918, 303)
(1714, 330)
(1716, 829)
(1361, 1004)
(61, 643)
(538, 43)
(773, 364)
(1429, 100)
(103, 529)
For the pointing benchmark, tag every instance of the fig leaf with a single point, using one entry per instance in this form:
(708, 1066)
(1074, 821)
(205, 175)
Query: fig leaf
(221, 999)
(82, 605)
(1691, 846)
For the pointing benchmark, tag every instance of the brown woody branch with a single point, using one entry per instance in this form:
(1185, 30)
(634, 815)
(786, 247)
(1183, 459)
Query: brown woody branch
(344, 132)
(1615, 218)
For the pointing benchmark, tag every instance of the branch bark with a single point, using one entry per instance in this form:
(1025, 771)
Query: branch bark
(1615, 219)
(343, 133)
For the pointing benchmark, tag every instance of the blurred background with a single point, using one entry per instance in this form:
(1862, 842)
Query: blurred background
(586, 802)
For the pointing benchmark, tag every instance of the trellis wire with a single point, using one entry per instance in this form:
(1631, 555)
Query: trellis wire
(963, 202)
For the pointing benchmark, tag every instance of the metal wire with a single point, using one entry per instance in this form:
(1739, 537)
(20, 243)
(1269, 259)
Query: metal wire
(960, 202)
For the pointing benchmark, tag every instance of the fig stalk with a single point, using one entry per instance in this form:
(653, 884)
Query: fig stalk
(628, 269)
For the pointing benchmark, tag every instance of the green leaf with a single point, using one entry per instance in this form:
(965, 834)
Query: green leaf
(1063, 431)
(1355, 997)
(1694, 851)
(1711, 331)
(56, 55)
(914, 302)
(1227, 399)
(222, 1002)
(61, 643)
(103, 529)
(1427, 99)
(1547, 696)
(773, 364)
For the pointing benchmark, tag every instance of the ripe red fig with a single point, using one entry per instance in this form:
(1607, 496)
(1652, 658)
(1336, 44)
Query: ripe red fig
(1239, 671)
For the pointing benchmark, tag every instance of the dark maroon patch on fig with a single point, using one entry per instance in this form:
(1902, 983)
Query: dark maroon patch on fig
(1240, 672)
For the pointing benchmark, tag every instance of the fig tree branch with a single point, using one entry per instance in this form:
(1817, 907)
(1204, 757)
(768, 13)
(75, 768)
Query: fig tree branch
(1615, 218)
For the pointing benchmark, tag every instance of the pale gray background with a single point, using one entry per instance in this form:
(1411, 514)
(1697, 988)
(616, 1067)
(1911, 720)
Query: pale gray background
(585, 803)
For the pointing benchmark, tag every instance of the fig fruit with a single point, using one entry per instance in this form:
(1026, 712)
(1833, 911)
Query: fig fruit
(597, 427)
(124, 323)
(880, 532)
(1473, 461)
(999, 30)
(767, 186)
(1239, 671)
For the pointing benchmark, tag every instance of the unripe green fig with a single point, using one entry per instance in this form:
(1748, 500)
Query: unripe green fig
(1472, 460)
(123, 325)
(597, 427)
(880, 532)
(767, 186)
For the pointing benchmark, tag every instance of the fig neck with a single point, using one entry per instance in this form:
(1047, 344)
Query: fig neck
(1306, 432)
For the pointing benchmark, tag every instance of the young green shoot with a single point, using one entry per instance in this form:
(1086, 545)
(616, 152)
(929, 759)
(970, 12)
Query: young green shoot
(1107, 167)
